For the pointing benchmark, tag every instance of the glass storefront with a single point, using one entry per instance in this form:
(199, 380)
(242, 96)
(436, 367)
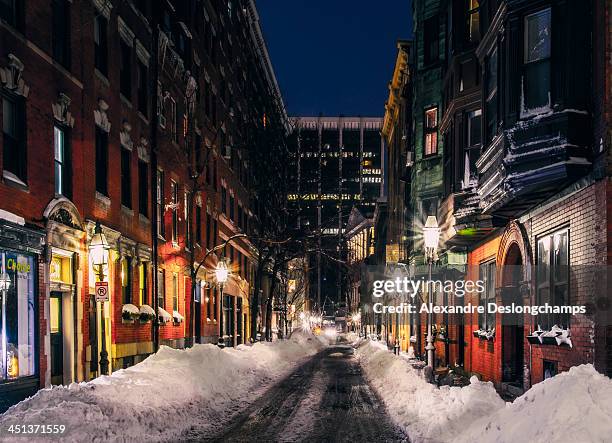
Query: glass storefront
(18, 316)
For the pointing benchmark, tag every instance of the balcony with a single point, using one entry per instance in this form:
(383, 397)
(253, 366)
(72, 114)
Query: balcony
(530, 162)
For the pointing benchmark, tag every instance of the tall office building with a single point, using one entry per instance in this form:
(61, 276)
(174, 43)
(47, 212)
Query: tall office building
(338, 166)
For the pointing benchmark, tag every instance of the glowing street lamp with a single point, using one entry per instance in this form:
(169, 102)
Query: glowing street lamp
(98, 250)
(431, 234)
(221, 274)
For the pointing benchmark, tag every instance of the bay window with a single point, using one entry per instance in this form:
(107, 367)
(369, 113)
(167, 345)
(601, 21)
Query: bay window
(536, 62)
(491, 95)
(472, 147)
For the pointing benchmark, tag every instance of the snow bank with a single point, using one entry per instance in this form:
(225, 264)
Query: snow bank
(164, 395)
(574, 406)
(427, 413)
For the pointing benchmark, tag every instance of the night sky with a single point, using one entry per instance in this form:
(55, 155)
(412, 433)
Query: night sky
(334, 56)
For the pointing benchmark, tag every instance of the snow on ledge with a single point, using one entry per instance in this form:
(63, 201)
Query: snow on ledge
(163, 315)
(130, 309)
(13, 218)
(146, 309)
(176, 315)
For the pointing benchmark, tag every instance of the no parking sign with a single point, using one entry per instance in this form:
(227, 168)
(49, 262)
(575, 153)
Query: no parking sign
(101, 291)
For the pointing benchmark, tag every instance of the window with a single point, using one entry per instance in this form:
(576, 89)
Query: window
(174, 197)
(126, 280)
(208, 304)
(198, 222)
(11, 11)
(223, 199)
(125, 70)
(486, 320)
(175, 305)
(536, 67)
(143, 87)
(14, 146)
(431, 131)
(491, 95)
(63, 167)
(143, 188)
(188, 213)
(101, 43)
(161, 288)
(101, 161)
(161, 226)
(214, 302)
(173, 121)
(126, 178)
(553, 277)
(215, 232)
(142, 283)
(19, 331)
(472, 148)
(473, 20)
(61, 32)
(232, 204)
(431, 40)
(208, 229)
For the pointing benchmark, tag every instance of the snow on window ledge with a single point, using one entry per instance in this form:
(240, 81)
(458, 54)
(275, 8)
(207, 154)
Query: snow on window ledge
(178, 318)
(485, 334)
(555, 336)
(163, 315)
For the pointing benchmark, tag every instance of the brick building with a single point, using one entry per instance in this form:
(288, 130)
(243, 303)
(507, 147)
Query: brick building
(524, 201)
(81, 84)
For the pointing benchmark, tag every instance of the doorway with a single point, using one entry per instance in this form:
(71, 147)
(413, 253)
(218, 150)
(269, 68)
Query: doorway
(512, 324)
(57, 338)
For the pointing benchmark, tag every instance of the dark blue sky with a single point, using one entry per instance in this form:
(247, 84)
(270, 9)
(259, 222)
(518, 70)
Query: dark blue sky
(334, 56)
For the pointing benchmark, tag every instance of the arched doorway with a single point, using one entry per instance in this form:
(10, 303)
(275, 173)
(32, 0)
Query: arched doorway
(513, 270)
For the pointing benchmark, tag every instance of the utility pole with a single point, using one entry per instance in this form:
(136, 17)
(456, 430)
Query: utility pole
(153, 165)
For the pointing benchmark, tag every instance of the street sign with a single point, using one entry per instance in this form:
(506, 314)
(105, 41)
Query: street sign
(101, 291)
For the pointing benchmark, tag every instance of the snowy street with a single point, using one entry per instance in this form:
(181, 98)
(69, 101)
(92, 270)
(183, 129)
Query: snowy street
(325, 399)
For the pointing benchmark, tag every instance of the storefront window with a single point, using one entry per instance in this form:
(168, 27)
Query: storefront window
(17, 322)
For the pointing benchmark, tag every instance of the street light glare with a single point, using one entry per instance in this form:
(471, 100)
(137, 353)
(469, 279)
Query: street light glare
(431, 232)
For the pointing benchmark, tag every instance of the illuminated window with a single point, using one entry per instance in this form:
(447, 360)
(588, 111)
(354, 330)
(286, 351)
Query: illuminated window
(126, 280)
(431, 131)
(142, 283)
(473, 20)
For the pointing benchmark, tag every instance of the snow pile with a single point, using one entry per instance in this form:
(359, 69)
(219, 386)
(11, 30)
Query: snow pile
(574, 406)
(166, 394)
(427, 413)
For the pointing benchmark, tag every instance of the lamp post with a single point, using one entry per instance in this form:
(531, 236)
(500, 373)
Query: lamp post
(98, 249)
(5, 284)
(221, 273)
(431, 234)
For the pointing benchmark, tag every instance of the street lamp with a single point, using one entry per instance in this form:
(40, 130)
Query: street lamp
(98, 250)
(5, 285)
(221, 273)
(431, 234)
